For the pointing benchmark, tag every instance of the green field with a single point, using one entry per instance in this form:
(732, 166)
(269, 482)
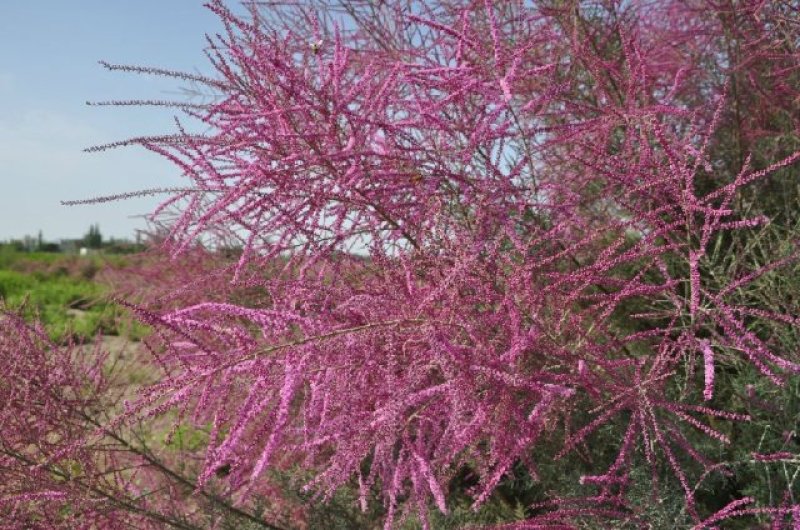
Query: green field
(62, 291)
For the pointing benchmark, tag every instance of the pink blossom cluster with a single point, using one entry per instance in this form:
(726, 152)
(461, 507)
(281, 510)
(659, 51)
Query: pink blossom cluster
(444, 210)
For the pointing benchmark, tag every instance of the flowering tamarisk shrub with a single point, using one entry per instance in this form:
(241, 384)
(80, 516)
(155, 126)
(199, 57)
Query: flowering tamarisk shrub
(485, 236)
(64, 464)
(36, 395)
(50, 401)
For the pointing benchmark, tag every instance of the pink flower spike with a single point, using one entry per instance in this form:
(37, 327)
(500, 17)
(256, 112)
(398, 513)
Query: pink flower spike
(708, 367)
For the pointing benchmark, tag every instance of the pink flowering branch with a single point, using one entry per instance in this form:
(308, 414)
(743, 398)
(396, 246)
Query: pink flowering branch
(477, 232)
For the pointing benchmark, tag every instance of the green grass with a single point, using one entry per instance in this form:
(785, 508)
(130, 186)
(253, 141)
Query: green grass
(11, 258)
(59, 291)
(8, 257)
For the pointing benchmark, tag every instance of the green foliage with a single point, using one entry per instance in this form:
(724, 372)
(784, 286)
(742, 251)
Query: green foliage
(11, 257)
(67, 307)
(93, 238)
(59, 291)
(187, 438)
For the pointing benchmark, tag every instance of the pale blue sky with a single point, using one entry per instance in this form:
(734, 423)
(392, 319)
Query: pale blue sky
(48, 69)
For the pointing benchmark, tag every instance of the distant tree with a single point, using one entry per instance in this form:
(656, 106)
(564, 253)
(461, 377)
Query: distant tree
(93, 238)
(17, 245)
(50, 247)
